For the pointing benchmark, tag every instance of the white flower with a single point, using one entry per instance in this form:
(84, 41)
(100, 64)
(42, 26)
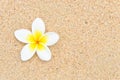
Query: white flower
(36, 40)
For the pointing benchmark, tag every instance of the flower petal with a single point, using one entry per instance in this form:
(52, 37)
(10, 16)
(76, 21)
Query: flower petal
(22, 34)
(44, 54)
(38, 25)
(27, 52)
(52, 38)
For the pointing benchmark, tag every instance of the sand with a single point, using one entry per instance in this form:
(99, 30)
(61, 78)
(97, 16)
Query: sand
(89, 45)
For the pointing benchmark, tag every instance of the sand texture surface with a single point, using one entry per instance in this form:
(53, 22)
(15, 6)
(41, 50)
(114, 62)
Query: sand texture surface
(89, 45)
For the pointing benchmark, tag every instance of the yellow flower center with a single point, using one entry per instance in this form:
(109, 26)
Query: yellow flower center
(37, 40)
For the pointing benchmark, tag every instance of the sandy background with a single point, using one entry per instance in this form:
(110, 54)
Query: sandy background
(89, 45)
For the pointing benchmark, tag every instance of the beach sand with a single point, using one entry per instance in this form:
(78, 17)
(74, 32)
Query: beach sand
(89, 45)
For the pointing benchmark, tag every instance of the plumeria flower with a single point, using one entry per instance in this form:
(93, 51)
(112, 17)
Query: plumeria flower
(37, 41)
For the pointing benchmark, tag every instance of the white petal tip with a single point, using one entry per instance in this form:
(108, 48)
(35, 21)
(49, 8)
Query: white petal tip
(24, 58)
(26, 53)
(53, 38)
(47, 59)
(38, 25)
(57, 36)
(21, 35)
(15, 33)
(38, 19)
(44, 55)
